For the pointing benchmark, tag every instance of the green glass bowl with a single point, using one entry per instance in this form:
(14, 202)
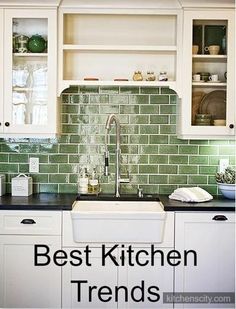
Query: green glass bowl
(36, 44)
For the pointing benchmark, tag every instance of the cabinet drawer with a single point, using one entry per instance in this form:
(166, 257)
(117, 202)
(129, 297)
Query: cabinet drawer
(30, 222)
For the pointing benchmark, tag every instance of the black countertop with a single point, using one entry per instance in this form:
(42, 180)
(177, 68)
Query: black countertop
(51, 201)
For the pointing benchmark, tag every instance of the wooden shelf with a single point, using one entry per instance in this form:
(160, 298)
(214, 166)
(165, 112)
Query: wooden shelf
(30, 54)
(120, 47)
(210, 58)
(209, 84)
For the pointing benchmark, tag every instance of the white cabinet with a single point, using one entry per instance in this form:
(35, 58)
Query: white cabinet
(114, 276)
(212, 236)
(105, 45)
(29, 102)
(22, 284)
(204, 28)
(1, 66)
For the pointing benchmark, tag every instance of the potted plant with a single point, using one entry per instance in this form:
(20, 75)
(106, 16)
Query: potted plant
(226, 182)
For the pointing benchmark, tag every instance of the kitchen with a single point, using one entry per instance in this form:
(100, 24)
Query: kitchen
(162, 148)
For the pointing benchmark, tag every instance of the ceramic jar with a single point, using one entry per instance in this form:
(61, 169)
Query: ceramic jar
(137, 76)
(36, 44)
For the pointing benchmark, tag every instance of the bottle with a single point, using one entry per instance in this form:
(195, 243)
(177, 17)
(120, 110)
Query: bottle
(93, 185)
(163, 76)
(137, 76)
(150, 76)
(83, 181)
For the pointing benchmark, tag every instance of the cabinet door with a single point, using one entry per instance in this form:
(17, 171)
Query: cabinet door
(23, 285)
(214, 243)
(158, 276)
(1, 66)
(208, 106)
(95, 275)
(30, 103)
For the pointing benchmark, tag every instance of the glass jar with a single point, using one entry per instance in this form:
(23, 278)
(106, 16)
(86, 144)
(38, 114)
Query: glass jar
(150, 76)
(137, 76)
(163, 76)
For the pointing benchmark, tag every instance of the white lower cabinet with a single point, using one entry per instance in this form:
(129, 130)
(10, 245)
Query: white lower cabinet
(212, 236)
(22, 284)
(126, 285)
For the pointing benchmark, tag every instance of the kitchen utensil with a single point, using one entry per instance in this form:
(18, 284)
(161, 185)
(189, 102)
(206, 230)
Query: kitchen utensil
(214, 103)
(213, 49)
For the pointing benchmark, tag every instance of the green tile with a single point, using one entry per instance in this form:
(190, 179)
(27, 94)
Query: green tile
(129, 90)
(149, 90)
(138, 139)
(65, 98)
(70, 109)
(70, 129)
(68, 168)
(26, 148)
(137, 159)
(158, 139)
(197, 180)
(174, 140)
(21, 158)
(119, 99)
(198, 159)
(78, 98)
(168, 149)
(129, 149)
(109, 89)
(58, 178)
(48, 148)
(89, 89)
(109, 109)
(4, 157)
(149, 109)
(149, 129)
(68, 188)
(39, 178)
(210, 189)
(129, 109)
(173, 119)
(73, 178)
(139, 99)
(184, 149)
(158, 179)
(211, 180)
(178, 179)
(76, 119)
(221, 142)
(168, 129)
(8, 168)
(148, 149)
(188, 169)
(227, 150)
(168, 169)
(158, 159)
(152, 189)
(99, 98)
(168, 109)
(139, 179)
(159, 119)
(24, 168)
(148, 169)
(208, 150)
(139, 119)
(89, 109)
(77, 139)
(208, 170)
(48, 188)
(166, 189)
(64, 118)
(199, 142)
(68, 149)
(9, 148)
(48, 168)
(173, 99)
(166, 90)
(178, 159)
(58, 158)
(159, 99)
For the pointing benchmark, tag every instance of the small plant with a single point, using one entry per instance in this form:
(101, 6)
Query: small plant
(227, 177)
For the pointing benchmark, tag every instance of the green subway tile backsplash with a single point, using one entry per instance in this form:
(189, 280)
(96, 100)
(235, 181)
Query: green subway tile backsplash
(157, 160)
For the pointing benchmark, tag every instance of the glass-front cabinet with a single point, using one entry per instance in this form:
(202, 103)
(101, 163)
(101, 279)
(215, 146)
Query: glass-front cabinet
(30, 61)
(207, 110)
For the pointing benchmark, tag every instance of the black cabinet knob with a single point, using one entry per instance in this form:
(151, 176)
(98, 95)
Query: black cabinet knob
(231, 126)
(219, 218)
(7, 124)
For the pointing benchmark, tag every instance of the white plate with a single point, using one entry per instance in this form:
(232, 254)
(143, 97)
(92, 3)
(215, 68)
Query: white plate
(215, 82)
(199, 81)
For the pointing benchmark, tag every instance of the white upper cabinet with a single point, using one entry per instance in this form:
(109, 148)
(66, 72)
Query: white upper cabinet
(207, 110)
(105, 45)
(29, 102)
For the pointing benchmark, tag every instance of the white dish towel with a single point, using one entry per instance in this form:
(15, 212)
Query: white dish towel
(194, 194)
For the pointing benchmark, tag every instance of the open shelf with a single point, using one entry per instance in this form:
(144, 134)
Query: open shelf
(210, 58)
(30, 54)
(209, 84)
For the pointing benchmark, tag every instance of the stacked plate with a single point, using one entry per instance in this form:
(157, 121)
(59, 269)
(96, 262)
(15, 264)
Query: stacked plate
(203, 119)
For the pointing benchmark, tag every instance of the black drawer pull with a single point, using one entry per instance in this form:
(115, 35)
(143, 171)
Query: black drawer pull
(219, 218)
(7, 124)
(28, 221)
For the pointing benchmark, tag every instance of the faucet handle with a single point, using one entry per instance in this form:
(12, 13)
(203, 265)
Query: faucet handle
(125, 180)
(140, 192)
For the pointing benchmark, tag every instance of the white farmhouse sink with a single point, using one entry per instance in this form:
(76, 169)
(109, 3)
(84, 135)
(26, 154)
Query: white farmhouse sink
(118, 221)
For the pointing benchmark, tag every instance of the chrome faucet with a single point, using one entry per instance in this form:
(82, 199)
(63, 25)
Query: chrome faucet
(118, 180)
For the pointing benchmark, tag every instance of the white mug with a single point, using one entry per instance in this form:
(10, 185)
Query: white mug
(196, 77)
(214, 78)
(213, 49)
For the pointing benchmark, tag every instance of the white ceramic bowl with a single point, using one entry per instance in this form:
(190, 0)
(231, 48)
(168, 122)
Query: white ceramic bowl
(228, 190)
